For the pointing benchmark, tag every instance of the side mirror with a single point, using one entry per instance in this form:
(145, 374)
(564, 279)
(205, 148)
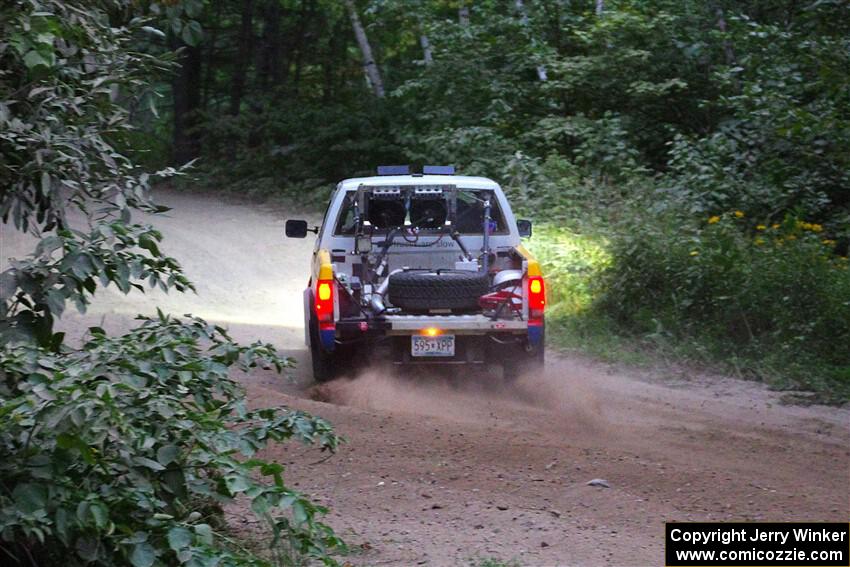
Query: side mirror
(296, 228)
(524, 227)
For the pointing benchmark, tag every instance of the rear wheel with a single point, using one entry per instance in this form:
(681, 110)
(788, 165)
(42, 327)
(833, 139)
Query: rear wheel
(523, 359)
(324, 363)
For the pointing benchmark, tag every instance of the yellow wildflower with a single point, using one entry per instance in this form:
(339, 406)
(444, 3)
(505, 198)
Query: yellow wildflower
(815, 227)
(760, 227)
(739, 214)
(694, 253)
(792, 237)
(713, 220)
(774, 226)
(759, 241)
(828, 242)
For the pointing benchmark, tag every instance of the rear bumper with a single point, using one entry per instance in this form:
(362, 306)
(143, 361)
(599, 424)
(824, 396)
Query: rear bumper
(480, 340)
(401, 325)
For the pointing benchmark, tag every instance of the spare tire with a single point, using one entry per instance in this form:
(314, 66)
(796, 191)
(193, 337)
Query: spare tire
(441, 289)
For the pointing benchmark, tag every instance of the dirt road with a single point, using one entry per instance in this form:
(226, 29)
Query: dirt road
(450, 472)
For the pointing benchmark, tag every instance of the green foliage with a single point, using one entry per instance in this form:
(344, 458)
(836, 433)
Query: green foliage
(785, 142)
(61, 75)
(118, 452)
(765, 301)
(34, 291)
(771, 299)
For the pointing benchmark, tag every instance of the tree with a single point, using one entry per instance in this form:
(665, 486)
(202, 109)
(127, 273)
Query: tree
(245, 44)
(370, 67)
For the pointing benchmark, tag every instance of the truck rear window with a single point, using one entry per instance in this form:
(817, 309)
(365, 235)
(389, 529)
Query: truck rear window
(425, 213)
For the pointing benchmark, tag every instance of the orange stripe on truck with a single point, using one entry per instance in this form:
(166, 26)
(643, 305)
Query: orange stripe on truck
(322, 267)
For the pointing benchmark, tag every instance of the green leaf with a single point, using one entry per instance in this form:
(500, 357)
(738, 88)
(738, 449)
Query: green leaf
(237, 483)
(46, 183)
(56, 302)
(34, 59)
(192, 33)
(8, 284)
(148, 243)
(299, 512)
(30, 497)
(82, 266)
(149, 463)
(143, 555)
(179, 537)
(48, 245)
(193, 7)
(205, 533)
(167, 454)
(153, 31)
(100, 515)
(260, 505)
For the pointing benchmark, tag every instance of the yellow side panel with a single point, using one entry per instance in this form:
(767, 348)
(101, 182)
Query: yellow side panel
(533, 264)
(322, 267)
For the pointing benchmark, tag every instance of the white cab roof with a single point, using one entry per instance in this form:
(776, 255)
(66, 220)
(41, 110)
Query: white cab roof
(464, 181)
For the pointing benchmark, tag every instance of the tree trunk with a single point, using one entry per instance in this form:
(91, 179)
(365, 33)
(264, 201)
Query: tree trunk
(463, 15)
(520, 6)
(600, 7)
(209, 71)
(243, 56)
(186, 94)
(728, 52)
(308, 11)
(336, 54)
(373, 75)
(268, 61)
(426, 49)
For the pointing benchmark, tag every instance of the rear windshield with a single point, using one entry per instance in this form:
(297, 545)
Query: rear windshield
(425, 213)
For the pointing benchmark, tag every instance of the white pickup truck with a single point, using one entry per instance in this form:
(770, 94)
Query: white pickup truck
(427, 267)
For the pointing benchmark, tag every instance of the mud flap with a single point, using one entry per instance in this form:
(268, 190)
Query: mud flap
(326, 336)
(535, 333)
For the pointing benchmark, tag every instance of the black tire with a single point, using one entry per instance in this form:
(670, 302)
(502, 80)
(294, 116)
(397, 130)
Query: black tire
(324, 362)
(442, 289)
(523, 359)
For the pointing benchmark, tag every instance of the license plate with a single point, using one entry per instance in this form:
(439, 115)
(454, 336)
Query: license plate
(444, 345)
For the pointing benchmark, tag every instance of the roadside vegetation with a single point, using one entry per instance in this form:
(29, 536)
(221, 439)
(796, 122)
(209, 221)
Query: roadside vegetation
(117, 450)
(686, 162)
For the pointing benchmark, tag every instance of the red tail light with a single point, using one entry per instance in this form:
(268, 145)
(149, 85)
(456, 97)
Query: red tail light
(536, 297)
(325, 301)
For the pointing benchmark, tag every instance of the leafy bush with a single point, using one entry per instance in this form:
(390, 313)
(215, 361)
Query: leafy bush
(119, 452)
(776, 295)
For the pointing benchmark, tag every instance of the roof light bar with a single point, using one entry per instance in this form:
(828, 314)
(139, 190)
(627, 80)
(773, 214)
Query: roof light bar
(438, 169)
(393, 170)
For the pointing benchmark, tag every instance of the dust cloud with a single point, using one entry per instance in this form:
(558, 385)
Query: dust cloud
(563, 392)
